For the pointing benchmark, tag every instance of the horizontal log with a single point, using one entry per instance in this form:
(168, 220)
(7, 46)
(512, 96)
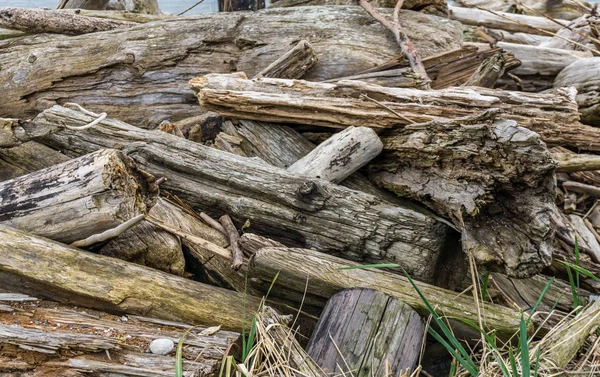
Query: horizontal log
(438, 7)
(571, 162)
(151, 63)
(287, 207)
(558, 9)
(78, 198)
(584, 74)
(27, 158)
(86, 279)
(48, 21)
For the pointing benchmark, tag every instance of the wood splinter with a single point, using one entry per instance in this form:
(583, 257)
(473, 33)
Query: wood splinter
(236, 253)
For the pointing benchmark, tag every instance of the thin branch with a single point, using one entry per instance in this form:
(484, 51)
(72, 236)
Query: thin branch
(234, 236)
(190, 8)
(111, 233)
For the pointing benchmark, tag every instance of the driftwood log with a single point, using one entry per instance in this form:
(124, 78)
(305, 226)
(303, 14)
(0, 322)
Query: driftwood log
(366, 333)
(294, 64)
(287, 207)
(70, 275)
(558, 8)
(83, 4)
(584, 75)
(151, 63)
(78, 198)
(27, 158)
(438, 7)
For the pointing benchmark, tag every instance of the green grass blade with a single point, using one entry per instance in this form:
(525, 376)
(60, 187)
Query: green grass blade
(573, 288)
(364, 266)
(581, 270)
(539, 301)
(467, 363)
(484, 286)
(524, 348)
(513, 362)
(537, 363)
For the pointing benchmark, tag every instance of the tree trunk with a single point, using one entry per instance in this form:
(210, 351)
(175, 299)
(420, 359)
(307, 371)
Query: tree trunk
(151, 63)
(78, 198)
(289, 208)
(366, 333)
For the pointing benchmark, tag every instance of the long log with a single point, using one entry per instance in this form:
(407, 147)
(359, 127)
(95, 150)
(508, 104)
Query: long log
(553, 115)
(78, 198)
(82, 278)
(151, 63)
(584, 75)
(438, 7)
(289, 208)
(327, 275)
(27, 158)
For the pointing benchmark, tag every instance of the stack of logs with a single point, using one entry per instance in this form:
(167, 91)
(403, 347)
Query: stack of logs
(172, 170)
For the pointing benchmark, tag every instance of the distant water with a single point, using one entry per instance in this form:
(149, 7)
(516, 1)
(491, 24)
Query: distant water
(170, 6)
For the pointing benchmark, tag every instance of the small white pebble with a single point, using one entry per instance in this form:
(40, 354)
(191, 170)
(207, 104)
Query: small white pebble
(161, 346)
(124, 318)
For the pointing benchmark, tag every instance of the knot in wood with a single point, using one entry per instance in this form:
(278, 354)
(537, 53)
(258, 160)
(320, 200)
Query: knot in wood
(308, 189)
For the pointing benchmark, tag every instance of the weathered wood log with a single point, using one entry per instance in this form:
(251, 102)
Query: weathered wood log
(289, 208)
(293, 64)
(83, 4)
(78, 198)
(27, 158)
(553, 115)
(340, 156)
(558, 9)
(575, 35)
(438, 7)
(73, 339)
(327, 276)
(82, 278)
(584, 75)
(583, 233)
(151, 60)
(488, 72)
(483, 34)
(571, 162)
(366, 333)
(47, 21)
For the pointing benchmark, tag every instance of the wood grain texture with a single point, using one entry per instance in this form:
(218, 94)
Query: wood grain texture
(584, 75)
(294, 64)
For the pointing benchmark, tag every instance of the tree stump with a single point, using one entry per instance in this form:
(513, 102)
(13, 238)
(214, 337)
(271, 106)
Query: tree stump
(361, 330)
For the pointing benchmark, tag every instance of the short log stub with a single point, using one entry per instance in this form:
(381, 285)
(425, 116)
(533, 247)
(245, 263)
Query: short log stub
(363, 329)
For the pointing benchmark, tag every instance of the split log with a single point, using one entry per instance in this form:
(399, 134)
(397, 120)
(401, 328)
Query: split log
(289, 208)
(294, 64)
(82, 278)
(493, 179)
(150, 60)
(312, 278)
(437, 7)
(46, 21)
(366, 333)
(584, 75)
(553, 115)
(78, 198)
(27, 158)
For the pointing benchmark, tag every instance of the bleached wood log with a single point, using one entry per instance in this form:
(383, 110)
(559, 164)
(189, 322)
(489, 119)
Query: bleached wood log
(86, 279)
(327, 275)
(438, 7)
(48, 21)
(152, 63)
(340, 155)
(287, 207)
(585, 234)
(558, 8)
(584, 75)
(293, 64)
(27, 158)
(578, 30)
(78, 198)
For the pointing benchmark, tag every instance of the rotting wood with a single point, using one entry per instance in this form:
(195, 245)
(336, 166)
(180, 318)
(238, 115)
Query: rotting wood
(86, 279)
(287, 207)
(488, 72)
(48, 21)
(385, 335)
(151, 63)
(294, 64)
(78, 198)
(27, 158)
(326, 276)
(572, 162)
(584, 75)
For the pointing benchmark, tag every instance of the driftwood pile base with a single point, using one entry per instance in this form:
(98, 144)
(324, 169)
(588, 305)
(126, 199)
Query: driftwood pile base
(295, 167)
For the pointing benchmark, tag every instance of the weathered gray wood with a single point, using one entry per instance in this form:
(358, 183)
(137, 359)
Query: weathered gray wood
(438, 7)
(294, 64)
(584, 75)
(27, 158)
(152, 63)
(85, 279)
(340, 155)
(578, 31)
(287, 207)
(326, 277)
(367, 333)
(398, 78)
(565, 9)
(47, 21)
(584, 233)
(488, 72)
(83, 4)
(493, 179)
(78, 198)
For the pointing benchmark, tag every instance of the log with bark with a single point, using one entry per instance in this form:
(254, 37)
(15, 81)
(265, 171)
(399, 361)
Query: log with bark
(78, 198)
(290, 208)
(85, 279)
(150, 64)
(584, 75)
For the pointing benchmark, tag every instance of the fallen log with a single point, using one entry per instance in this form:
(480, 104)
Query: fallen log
(151, 63)
(584, 74)
(289, 208)
(312, 278)
(572, 162)
(86, 279)
(557, 9)
(437, 7)
(294, 64)
(46, 21)
(78, 198)
(83, 4)
(27, 158)
(388, 339)
(553, 115)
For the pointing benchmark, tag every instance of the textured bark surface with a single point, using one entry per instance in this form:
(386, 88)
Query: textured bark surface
(494, 179)
(78, 198)
(83, 4)
(289, 208)
(584, 75)
(47, 21)
(438, 7)
(69, 275)
(294, 64)
(27, 158)
(140, 75)
(367, 333)
(326, 277)
(557, 8)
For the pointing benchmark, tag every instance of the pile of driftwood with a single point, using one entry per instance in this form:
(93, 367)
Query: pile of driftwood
(159, 172)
